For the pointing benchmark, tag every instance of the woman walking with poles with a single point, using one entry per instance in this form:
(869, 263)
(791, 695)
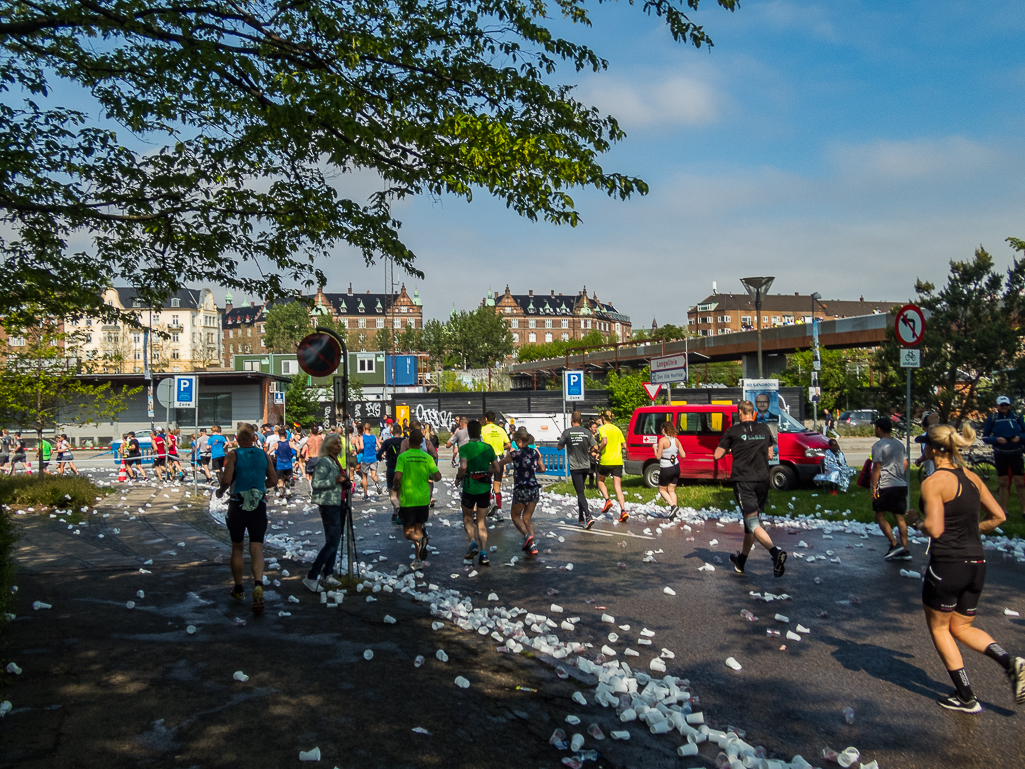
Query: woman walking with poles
(330, 486)
(951, 501)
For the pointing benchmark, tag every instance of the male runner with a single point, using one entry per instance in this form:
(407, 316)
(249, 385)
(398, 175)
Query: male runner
(477, 466)
(6, 444)
(203, 452)
(1005, 432)
(159, 453)
(19, 454)
(368, 460)
(457, 439)
(610, 462)
(134, 457)
(218, 443)
(248, 471)
(581, 445)
(498, 439)
(389, 451)
(414, 471)
(890, 488)
(751, 444)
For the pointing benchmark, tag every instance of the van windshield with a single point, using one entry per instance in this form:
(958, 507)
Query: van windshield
(787, 424)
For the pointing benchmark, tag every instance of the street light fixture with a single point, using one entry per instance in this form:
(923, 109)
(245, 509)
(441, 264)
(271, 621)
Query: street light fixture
(758, 288)
(816, 363)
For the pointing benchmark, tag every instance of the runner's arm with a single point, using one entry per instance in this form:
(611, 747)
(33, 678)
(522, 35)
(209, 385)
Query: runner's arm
(994, 512)
(436, 475)
(540, 462)
(272, 476)
(461, 471)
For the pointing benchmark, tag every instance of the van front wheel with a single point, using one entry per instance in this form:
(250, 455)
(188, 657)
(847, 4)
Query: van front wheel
(651, 475)
(783, 478)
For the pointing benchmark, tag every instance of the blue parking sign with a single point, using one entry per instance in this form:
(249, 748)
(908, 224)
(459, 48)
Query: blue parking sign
(185, 392)
(573, 385)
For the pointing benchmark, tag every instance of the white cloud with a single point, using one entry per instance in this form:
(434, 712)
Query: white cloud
(645, 101)
(946, 158)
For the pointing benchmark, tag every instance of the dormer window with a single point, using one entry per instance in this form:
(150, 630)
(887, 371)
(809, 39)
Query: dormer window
(136, 302)
(360, 307)
(176, 302)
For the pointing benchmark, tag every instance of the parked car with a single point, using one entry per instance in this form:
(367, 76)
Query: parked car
(700, 427)
(858, 418)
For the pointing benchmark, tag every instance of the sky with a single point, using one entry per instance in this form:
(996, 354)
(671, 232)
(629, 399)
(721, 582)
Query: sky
(843, 147)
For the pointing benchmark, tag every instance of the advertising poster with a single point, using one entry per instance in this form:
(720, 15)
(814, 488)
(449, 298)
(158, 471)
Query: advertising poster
(764, 394)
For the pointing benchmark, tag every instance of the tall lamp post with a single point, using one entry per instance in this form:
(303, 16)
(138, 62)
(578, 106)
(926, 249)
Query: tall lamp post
(816, 362)
(758, 288)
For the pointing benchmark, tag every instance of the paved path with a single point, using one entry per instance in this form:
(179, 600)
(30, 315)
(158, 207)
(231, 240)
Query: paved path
(104, 684)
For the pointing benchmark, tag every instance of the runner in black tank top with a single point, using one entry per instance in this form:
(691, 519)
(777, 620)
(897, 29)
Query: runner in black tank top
(951, 501)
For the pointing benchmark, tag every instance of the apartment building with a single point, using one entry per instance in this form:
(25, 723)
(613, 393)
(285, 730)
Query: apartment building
(536, 319)
(184, 334)
(719, 314)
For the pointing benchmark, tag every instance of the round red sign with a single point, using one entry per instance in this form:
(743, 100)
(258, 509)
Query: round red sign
(319, 354)
(909, 325)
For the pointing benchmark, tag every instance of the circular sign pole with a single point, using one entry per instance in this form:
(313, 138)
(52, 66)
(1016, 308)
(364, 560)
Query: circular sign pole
(909, 328)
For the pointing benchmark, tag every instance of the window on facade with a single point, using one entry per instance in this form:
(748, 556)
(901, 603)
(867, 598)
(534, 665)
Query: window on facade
(514, 323)
(788, 319)
(174, 337)
(289, 367)
(210, 338)
(249, 347)
(531, 337)
(565, 322)
(397, 323)
(410, 323)
(745, 319)
(807, 319)
(175, 321)
(548, 322)
(361, 323)
(138, 355)
(365, 365)
(176, 302)
(765, 319)
(775, 319)
(532, 323)
(548, 337)
(724, 318)
(88, 338)
(19, 341)
(137, 338)
(380, 323)
(174, 355)
(516, 338)
(402, 308)
(565, 336)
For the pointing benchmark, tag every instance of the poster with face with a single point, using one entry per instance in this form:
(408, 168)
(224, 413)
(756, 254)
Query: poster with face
(764, 394)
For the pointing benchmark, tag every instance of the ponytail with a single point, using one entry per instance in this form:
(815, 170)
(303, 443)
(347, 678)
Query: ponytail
(945, 438)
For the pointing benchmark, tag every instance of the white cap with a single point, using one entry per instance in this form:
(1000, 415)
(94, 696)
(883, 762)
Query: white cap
(1003, 400)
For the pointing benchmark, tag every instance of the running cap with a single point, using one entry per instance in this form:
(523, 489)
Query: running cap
(1003, 400)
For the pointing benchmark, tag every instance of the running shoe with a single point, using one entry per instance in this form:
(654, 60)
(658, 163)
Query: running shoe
(779, 563)
(395, 518)
(527, 542)
(953, 702)
(417, 564)
(238, 593)
(533, 549)
(472, 552)
(258, 599)
(483, 559)
(607, 506)
(738, 565)
(1017, 677)
(421, 548)
(491, 510)
(313, 585)
(623, 516)
(331, 581)
(589, 522)
(893, 552)
(904, 555)
(498, 515)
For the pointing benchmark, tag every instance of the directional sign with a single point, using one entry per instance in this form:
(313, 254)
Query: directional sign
(669, 369)
(319, 354)
(185, 392)
(652, 390)
(910, 358)
(573, 385)
(909, 326)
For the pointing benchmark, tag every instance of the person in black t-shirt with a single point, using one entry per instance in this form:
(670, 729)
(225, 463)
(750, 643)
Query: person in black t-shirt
(751, 444)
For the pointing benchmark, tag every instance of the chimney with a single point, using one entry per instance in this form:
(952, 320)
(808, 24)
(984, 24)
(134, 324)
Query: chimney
(797, 293)
(861, 299)
(350, 289)
(531, 293)
(714, 291)
(553, 293)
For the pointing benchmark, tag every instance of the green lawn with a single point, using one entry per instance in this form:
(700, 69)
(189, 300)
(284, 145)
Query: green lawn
(806, 501)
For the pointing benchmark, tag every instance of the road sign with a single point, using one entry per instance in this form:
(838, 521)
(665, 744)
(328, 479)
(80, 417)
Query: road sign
(910, 358)
(909, 325)
(319, 354)
(165, 391)
(669, 369)
(652, 390)
(573, 385)
(185, 392)
(279, 397)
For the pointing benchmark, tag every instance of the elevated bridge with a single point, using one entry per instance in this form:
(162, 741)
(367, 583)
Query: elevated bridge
(839, 333)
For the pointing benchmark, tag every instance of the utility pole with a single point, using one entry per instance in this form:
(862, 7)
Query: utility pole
(758, 288)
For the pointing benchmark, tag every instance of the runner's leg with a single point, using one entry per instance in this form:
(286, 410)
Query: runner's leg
(886, 528)
(601, 488)
(1004, 486)
(617, 483)
(517, 518)
(528, 518)
(579, 478)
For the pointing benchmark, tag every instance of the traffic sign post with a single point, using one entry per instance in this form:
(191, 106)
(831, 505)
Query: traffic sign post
(909, 328)
(572, 390)
(652, 390)
(279, 400)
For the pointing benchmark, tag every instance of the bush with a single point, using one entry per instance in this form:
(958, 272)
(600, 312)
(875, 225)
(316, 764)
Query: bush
(50, 491)
(7, 540)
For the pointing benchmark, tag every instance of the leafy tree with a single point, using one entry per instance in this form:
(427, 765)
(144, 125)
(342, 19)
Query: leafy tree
(409, 340)
(384, 340)
(727, 373)
(973, 340)
(40, 385)
(434, 340)
(540, 351)
(669, 332)
(480, 337)
(844, 374)
(287, 324)
(247, 112)
(302, 402)
(626, 391)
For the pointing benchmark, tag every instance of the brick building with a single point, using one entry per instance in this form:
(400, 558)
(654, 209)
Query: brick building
(719, 314)
(363, 315)
(556, 318)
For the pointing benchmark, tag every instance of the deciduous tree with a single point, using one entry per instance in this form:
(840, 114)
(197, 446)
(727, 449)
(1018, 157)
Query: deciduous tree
(287, 324)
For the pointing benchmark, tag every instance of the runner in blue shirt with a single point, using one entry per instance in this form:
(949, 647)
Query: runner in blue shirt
(368, 459)
(218, 444)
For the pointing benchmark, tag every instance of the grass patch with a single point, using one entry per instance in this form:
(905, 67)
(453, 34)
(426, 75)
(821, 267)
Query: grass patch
(808, 501)
(44, 494)
(8, 537)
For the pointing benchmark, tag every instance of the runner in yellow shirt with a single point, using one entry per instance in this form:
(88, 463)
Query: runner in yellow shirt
(610, 462)
(498, 439)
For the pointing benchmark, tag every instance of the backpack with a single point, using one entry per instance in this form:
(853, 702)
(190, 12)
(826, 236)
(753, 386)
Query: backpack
(865, 477)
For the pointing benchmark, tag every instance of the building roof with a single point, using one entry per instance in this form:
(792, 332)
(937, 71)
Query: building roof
(361, 304)
(242, 316)
(187, 298)
(560, 304)
(795, 303)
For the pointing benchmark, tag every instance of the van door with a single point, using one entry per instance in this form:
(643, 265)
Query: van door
(645, 434)
(699, 434)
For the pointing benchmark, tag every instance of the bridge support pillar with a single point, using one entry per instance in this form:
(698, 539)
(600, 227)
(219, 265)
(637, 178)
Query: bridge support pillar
(772, 364)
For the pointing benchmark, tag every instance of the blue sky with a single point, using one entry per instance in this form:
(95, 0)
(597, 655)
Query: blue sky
(844, 147)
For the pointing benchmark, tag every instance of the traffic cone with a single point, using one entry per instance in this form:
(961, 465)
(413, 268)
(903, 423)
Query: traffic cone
(122, 474)
(28, 468)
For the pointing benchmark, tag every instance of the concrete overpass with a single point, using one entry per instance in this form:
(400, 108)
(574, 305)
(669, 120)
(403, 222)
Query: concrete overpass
(839, 333)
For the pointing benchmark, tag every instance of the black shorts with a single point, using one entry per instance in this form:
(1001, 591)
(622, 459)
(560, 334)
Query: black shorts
(310, 464)
(471, 501)
(524, 495)
(751, 496)
(4, 460)
(616, 471)
(159, 461)
(892, 500)
(44, 465)
(954, 586)
(669, 476)
(411, 515)
(284, 474)
(133, 461)
(1009, 464)
(389, 477)
(217, 463)
(18, 459)
(240, 521)
(204, 460)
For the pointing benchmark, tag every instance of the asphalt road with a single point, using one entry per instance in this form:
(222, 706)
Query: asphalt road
(870, 653)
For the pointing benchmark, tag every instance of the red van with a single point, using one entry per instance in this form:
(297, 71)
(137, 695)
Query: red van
(700, 427)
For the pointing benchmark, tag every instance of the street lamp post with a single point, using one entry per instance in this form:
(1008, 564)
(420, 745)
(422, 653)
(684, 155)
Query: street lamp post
(758, 288)
(816, 363)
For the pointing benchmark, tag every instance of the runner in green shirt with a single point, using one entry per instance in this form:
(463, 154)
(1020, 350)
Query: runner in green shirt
(45, 461)
(414, 470)
(477, 466)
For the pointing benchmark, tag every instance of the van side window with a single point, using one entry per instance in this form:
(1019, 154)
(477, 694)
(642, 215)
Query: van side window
(690, 423)
(714, 422)
(650, 423)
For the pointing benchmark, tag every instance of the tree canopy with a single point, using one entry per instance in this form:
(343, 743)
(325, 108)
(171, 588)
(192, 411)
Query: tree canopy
(287, 324)
(211, 134)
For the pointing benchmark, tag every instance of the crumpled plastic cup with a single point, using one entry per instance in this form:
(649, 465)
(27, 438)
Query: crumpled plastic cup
(576, 742)
(309, 755)
(622, 735)
(848, 757)
(462, 683)
(240, 676)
